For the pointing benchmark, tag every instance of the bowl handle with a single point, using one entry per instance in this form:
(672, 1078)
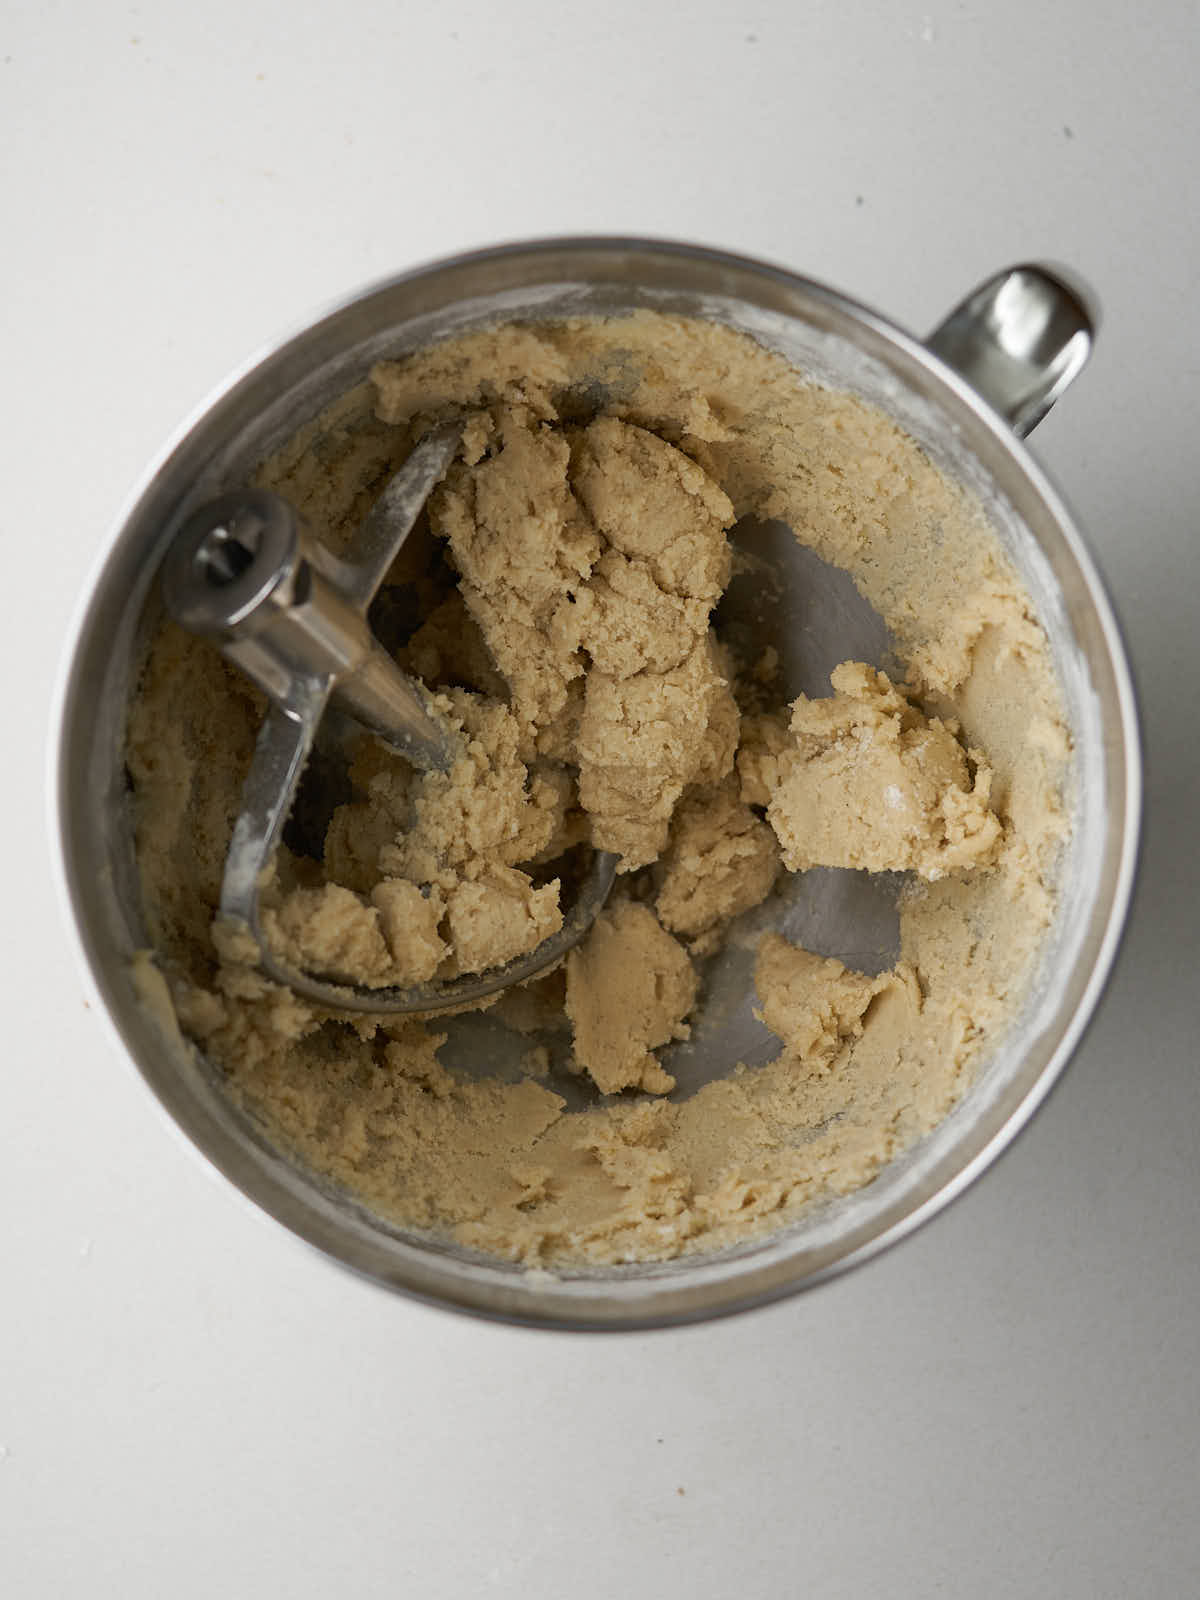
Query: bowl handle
(1019, 340)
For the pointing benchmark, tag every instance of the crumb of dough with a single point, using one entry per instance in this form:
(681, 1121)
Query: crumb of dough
(643, 740)
(448, 650)
(577, 653)
(655, 505)
(761, 756)
(331, 931)
(521, 543)
(815, 1005)
(866, 780)
(235, 945)
(409, 921)
(945, 661)
(490, 807)
(630, 986)
(155, 997)
(356, 838)
(498, 916)
(766, 668)
(629, 624)
(720, 860)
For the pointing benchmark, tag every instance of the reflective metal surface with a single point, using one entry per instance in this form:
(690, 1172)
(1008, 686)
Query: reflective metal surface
(837, 342)
(288, 613)
(1019, 340)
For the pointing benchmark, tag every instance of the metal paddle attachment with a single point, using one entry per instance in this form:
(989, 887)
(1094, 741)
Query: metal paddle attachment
(243, 572)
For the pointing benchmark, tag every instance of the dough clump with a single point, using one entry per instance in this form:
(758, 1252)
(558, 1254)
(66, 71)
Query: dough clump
(817, 1007)
(629, 987)
(865, 780)
(588, 566)
(721, 860)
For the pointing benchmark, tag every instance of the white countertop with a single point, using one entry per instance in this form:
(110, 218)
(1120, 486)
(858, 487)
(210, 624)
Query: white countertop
(191, 1404)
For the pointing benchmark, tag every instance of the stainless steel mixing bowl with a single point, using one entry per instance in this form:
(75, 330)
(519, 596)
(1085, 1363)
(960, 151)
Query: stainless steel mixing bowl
(987, 375)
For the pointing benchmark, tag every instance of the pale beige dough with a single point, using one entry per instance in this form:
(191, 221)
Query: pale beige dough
(497, 916)
(655, 505)
(490, 807)
(590, 569)
(720, 860)
(521, 543)
(392, 940)
(818, 1008)
(629, 987)
(865, 780)
(426, 862)
(629, 625)
(576, 659)
(643, 740)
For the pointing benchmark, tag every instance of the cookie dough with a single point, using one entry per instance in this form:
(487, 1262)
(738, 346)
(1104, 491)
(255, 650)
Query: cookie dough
(865, 780)
(560, 604)
(818, 1008)
(391, 939)
(629, 987)
(721, 860)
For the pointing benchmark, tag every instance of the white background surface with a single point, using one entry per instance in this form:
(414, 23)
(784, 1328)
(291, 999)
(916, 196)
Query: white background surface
(192, 1404)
